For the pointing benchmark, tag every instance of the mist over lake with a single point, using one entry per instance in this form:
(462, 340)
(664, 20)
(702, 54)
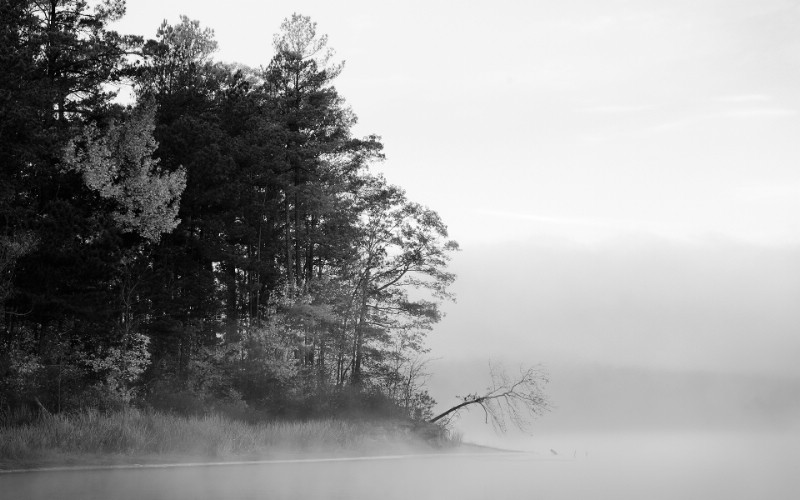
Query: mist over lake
(622, 465)
(671, 364)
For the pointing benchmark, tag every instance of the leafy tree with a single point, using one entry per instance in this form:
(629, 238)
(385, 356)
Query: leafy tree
(401, 245)
(185, 87)
(119, 166)
(76, 55)
(314, 129)
(220, 242)
(57, 73)
(177, 59)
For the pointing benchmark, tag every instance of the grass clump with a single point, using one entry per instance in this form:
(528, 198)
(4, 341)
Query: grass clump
(136, 435)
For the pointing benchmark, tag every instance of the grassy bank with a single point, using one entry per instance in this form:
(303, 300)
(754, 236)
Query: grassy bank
(134, 436)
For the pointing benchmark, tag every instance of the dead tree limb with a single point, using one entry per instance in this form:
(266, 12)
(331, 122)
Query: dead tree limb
(518, 399)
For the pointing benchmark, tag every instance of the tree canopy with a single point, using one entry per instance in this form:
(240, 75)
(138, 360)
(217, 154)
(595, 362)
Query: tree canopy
(217, 243)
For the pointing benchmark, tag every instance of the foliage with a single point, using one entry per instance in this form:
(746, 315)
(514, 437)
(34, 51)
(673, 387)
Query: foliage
(119, 367)
(119, 166)
(11, 249)
(217, 245)
(178, 55)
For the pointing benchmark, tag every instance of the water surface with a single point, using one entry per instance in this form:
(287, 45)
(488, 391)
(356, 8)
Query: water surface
(610, 466)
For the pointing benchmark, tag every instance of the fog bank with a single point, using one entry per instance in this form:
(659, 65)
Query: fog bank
(706, 305)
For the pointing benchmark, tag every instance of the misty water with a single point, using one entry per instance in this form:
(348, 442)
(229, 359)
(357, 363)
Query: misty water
(647, 465)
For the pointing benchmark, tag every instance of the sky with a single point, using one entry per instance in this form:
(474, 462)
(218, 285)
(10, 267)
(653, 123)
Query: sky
(622, 175)
(580, 118)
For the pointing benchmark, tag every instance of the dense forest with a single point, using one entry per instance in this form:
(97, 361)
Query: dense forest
(215, 242)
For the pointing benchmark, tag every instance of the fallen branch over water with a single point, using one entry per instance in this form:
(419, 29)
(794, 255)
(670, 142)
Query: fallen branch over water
(517, 400)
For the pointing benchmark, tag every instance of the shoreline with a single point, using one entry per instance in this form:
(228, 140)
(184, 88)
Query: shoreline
(136, 437)
(116, 462)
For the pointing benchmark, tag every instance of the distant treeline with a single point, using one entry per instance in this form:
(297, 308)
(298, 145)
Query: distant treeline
(217, 243)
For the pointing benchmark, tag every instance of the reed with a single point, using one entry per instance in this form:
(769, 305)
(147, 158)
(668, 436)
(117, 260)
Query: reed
(137, 433)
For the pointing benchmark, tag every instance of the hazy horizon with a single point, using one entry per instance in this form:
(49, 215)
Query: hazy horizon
(637, 333)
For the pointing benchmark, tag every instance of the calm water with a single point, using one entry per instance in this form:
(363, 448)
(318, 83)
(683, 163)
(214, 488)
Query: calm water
(621, 466)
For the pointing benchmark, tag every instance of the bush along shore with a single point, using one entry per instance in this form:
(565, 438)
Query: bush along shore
(135, 436)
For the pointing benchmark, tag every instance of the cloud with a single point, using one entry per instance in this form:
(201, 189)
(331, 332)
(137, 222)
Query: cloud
(689, 121)
(761, 112)
(594, 222)
(743, 98)
(617, 108)
(768, 192)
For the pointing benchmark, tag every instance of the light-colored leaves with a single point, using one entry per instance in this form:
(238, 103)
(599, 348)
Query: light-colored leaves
(298, 35)
(118, 165)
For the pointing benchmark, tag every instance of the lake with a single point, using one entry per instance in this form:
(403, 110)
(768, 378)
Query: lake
(646, 465)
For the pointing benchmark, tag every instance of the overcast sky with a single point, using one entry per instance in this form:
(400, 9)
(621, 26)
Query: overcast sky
(578, 118)
(623, 176)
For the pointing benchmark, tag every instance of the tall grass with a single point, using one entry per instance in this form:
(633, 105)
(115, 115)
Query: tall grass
(143, 433)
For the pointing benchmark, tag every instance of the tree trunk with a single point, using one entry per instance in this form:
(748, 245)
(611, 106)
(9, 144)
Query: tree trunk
(232, 311)
(359, 338)
(455, 408)
(298, 261)
(288, 238)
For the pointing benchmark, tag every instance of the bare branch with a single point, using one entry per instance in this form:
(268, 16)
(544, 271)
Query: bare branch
(518, 400)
